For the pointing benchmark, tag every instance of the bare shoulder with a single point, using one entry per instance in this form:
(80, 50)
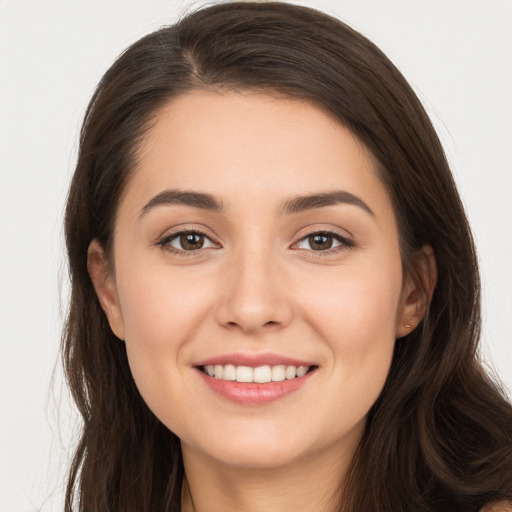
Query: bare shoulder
(502, 506)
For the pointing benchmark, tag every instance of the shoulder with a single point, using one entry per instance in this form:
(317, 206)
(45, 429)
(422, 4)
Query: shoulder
(502, 506)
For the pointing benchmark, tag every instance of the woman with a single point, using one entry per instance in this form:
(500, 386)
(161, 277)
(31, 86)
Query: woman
(275, 295)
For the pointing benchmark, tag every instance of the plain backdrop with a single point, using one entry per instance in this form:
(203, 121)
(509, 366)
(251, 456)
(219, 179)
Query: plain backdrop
(457, 54)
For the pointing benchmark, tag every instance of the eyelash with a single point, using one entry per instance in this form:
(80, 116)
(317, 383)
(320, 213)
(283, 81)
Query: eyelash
(166, 240)
(345, 243)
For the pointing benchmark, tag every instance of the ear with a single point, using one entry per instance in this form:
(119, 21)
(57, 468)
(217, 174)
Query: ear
(104, 283)
(418, 288)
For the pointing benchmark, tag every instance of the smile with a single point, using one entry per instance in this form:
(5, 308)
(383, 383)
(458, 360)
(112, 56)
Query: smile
(255, 380)
(260, 374)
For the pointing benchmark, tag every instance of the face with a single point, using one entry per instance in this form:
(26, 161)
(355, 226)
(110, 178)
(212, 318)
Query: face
(256, 242)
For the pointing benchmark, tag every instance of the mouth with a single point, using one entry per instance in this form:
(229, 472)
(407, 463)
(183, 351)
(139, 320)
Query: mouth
(259, 374)
(255, 379)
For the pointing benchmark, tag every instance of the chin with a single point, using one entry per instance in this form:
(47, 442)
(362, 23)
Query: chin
(257, 456)
(245, 447)
(260, 447)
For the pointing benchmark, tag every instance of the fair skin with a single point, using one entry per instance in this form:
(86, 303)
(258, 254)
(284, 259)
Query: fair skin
(258, 285)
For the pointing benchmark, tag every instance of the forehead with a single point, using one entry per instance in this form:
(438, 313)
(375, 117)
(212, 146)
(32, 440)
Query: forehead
(252, 145)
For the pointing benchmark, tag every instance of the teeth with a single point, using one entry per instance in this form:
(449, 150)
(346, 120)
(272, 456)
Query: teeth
(229, 372)
(291, 372)
(260, 374)
(278, 372)
(301, 371)
(244, 374)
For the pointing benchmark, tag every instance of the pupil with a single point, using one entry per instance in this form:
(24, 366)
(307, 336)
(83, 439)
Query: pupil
(321, 242)
(191, 241)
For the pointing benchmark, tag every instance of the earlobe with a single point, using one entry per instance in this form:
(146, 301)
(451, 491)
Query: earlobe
(417, 291)
(104, 285)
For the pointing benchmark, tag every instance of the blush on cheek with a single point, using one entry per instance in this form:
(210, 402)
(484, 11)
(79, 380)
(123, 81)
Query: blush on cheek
(354, 306)
(150, 308)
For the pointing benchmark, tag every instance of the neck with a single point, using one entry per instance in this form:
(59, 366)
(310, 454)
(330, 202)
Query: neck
(311, 485)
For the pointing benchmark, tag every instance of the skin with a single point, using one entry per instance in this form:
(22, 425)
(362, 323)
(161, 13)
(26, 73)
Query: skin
(257, 286)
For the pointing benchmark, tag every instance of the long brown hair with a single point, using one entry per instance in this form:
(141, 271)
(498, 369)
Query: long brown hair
(439, 438)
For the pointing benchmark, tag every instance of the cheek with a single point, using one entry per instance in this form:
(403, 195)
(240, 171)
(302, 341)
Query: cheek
(160, 316)
(356, 319)
(158, 307)
(355, 316)
(360, 304)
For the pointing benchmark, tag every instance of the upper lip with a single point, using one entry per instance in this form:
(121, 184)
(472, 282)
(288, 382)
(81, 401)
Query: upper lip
(253, 360)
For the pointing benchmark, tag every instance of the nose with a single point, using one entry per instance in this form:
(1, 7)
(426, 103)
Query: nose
(254, 294)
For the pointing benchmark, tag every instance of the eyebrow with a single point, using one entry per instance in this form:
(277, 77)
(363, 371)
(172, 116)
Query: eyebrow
(291, 206)
(195, 199)
(321, 200)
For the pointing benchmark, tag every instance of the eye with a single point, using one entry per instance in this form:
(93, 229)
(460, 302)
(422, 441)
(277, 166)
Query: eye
(324, 241)
(186, 241)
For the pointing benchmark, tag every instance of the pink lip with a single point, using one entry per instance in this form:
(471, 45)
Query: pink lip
(253, 360)
(253, 393)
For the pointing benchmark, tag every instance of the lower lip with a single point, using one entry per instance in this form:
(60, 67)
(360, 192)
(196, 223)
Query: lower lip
(254, 393)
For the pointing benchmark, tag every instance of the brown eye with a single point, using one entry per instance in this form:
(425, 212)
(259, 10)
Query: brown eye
(191, 241)
(320, 242)
(186, 241)
(323, 241)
